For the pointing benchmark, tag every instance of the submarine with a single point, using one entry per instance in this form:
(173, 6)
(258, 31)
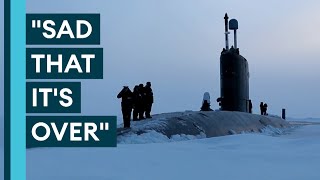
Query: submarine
(234, 116)
(234, 74)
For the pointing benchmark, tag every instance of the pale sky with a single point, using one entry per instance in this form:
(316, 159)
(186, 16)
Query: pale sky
(176, 45)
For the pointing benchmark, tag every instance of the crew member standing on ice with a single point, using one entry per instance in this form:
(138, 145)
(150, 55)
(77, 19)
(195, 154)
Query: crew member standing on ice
(126, 105)
(148, 99)
(261, 108)
(265, 108)
(143, 105)
(250, 106)
(137, 103)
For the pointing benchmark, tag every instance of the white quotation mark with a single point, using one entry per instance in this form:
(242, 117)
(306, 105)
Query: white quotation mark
(104, 126)
(36, 23)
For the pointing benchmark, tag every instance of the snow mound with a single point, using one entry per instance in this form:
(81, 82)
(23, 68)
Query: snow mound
(194, 125)
(155, 137)
(272, 131)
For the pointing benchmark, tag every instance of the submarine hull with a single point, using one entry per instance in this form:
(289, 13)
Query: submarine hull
(206, 124)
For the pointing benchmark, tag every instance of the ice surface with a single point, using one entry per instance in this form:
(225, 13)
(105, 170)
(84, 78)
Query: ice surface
(155, 137)
(289, 156)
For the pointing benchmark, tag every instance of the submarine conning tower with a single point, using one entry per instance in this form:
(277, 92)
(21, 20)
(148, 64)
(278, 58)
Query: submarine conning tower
(234, 74)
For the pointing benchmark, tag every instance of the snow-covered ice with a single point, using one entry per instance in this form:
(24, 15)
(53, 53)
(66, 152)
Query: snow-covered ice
(155, 137)
(286, 156)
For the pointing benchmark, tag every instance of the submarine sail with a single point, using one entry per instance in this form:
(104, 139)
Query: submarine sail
(234, 75)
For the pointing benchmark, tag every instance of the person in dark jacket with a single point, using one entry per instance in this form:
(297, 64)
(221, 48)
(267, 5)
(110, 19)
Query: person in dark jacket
(148, 99)
(250, 106)
(137, 103)
(143, 101)
(265, 108)
(261, 108)
(126, 105)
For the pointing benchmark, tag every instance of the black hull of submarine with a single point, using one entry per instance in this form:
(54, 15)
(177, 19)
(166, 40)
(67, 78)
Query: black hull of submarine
(234, 81)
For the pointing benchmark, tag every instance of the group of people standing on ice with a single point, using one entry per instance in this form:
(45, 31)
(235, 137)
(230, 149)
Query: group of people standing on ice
(263, 108)
(206, 105)
(140, 101)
